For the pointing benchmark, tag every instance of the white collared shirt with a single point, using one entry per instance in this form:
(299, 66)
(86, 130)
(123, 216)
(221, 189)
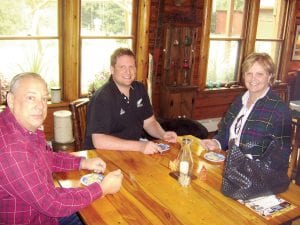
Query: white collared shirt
(237, 126)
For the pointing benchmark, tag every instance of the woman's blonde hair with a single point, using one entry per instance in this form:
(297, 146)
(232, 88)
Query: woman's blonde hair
(264, 60)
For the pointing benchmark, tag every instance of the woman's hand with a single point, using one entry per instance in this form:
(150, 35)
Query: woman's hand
(112, 182)
(210, 144)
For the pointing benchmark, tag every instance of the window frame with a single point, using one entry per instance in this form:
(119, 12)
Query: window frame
(131, 37)
(247, 39)
(241, 43)
(42, 37)
(280, 40)
(71, 44)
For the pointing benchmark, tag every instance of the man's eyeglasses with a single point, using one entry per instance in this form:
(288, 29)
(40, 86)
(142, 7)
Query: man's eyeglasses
(238, 124)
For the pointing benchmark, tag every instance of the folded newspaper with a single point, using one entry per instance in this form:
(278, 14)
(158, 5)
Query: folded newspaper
(268, 206)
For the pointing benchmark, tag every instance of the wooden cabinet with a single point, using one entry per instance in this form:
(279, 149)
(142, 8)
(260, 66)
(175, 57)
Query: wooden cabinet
(177, 101)
(177, 90)
(179, 57)
(49, 121)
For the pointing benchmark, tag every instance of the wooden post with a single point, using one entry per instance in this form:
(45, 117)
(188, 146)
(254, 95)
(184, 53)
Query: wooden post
(289, 39)
(251, 28)
(71, 47)
(204, 45)
(142, 46)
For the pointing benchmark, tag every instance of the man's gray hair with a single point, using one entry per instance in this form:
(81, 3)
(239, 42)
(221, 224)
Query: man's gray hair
(16, 79)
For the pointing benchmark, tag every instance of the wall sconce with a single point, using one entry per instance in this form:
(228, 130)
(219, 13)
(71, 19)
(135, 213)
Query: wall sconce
(178, 2)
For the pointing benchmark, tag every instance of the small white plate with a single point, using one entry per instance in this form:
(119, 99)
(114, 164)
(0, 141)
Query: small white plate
(214, 157)
(91, 178)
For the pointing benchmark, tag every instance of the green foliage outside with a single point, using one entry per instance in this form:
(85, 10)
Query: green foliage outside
(9, 17)
(27, 18)
(99, 80)
(109, 14)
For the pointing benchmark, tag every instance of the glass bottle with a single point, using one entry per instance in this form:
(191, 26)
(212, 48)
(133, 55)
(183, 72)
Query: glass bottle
(185, 162)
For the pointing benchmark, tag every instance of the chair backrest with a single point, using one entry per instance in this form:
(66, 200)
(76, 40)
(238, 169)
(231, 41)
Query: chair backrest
(296, 91)
(78, 108)
(294, 158)
(283, 91)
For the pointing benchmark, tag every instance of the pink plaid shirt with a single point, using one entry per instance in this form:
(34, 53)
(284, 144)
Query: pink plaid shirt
(27, 193)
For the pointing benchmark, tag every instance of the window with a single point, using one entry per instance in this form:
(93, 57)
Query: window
(226, 36)
(29, 39)
(105, 26)
(230, 41)
(269, 37)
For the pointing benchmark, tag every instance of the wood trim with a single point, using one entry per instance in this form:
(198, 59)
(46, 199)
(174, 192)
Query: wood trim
(204, 44)
(289, 39)
(142, 50)
(71, 49)
(251, 26)
(49, 121)
(210, 103)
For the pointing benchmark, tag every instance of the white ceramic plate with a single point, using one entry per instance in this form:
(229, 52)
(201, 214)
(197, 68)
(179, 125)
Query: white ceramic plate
(214, 157)
(91, 178)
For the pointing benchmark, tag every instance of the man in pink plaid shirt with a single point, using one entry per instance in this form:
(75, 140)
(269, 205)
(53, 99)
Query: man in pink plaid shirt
(27, 193)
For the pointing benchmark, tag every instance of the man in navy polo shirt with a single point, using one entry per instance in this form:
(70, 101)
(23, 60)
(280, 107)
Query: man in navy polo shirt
(120, 110)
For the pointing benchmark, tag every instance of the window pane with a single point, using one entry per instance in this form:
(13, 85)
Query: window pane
(28, 18)
(227, 18)
(270, 24)
(20, 19)
(106, 18)
(273, 48)
(222, 64)
(40, 56)
(269, 19)
(95, 61)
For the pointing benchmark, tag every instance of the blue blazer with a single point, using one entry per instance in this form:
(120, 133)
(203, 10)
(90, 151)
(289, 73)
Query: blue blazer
(269, 119)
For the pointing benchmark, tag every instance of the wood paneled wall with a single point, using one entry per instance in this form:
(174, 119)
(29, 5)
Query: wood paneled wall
(208, 103)
(294, 65)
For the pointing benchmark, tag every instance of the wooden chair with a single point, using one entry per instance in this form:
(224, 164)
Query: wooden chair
(293, 165)
(283, 91)
(79, 108)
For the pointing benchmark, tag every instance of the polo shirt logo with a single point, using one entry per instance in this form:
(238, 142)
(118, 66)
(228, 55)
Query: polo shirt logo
(139, 103)
(122, 111)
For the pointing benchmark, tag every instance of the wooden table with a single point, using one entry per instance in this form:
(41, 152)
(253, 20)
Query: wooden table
(149, 195)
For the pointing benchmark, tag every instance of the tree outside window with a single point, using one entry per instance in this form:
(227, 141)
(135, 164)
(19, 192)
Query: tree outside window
(105, 26)
(29, 39)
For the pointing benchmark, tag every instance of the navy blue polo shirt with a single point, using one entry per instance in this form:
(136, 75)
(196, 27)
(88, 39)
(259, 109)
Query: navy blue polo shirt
(111, 112)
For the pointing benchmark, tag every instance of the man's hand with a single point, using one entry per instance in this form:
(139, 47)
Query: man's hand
(170, 136)
(95, 164)
(149, 147)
